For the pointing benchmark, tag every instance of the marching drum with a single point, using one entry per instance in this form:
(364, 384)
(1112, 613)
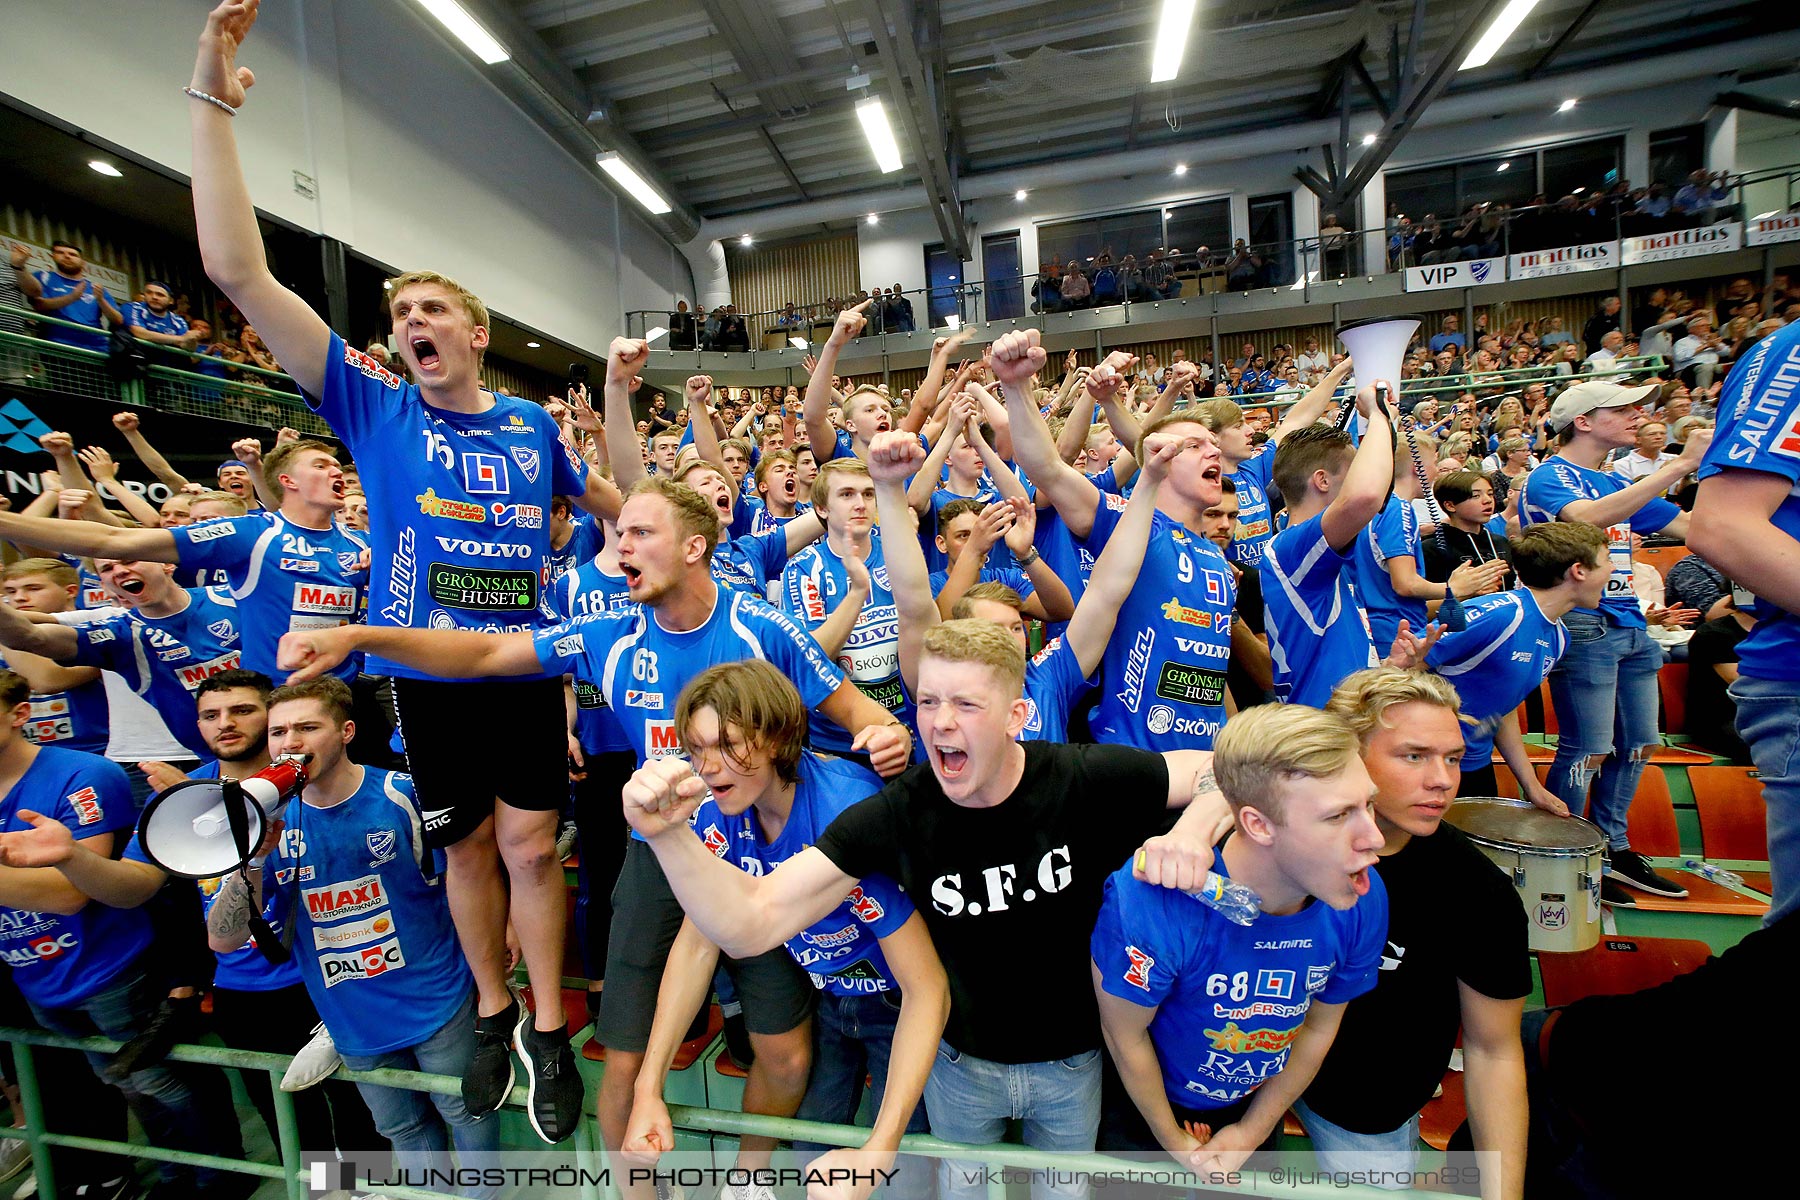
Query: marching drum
(1554, 862)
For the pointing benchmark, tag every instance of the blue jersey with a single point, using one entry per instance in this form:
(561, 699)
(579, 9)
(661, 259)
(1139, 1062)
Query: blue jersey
(1506, 651)
(750, 564)
(373, 937)
(1256, 519)
(1318, 633)
(165, 659)
(74, 719)
(752, 516)
(640, 667)
(577, 593)
(1012, 577)
(935, 559)
(284, 577)
(245, 969)
(457, 510)
(841, 951)
(85, 311)
(1053, 683)
(1394, 533)
(1071, 559)
(1759, 430)
(1230, 999)
(585, 542)
(1165, 666)
(138, 313)
(811, 589)
(61, 960)
(1560, 482)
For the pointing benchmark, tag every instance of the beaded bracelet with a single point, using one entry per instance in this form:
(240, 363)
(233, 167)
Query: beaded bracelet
(197, 94)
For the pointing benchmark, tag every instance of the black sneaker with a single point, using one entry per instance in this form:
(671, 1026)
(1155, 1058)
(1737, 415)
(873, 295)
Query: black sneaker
(490, 1077)
(1630, 869)
(1615, 894)
(554, 1085)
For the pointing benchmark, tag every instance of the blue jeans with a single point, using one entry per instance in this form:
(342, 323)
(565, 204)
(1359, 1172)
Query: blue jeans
(181, 1106)
(1604, 691)
(971, 1099)
(414, 1121)
(853, 1037)
(1768, 719)
(1339, 1149)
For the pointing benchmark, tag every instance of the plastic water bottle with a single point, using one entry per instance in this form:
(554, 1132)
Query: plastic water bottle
(1717, 874)
(1233, 901)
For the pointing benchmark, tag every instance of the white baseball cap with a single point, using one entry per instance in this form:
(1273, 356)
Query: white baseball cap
(1593, 394)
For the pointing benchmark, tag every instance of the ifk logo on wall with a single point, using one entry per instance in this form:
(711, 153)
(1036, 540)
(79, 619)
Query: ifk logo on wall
(20, 428)
(1479, 270)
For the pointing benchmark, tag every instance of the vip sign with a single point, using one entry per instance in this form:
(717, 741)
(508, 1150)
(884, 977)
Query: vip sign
(1682, 243)
(1469, 273)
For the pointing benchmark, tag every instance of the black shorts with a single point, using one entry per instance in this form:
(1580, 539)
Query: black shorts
(775, 992)
(470, 742)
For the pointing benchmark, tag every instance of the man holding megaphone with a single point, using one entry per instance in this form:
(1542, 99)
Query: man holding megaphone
(259, 1002)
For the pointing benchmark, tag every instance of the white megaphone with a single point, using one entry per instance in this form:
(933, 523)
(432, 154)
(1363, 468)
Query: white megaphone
(1377, 351)
(187, 830)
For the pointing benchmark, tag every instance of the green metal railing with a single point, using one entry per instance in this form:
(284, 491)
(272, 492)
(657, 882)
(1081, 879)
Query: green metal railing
(250, 394)
(293, 1172)
(1508, 381)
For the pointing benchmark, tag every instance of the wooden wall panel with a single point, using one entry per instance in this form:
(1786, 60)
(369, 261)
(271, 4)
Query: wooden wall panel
(766, 279)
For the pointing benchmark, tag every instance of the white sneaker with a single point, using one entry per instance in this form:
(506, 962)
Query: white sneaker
(15, 1156)
(748, 1191)
(316, 1060)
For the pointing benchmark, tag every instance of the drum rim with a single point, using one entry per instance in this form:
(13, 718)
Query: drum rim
(1596, 850)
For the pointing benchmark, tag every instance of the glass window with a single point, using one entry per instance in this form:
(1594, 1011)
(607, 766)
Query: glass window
(943, 276)
(1000, 268)
(1187, 227)
(1675, 154)
(1592, 165)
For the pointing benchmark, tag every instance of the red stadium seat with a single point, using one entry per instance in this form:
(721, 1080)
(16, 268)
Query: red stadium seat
(1734, 824)
(686, 1056)
(1617, 966)
(1672, 682)
(1651, 826)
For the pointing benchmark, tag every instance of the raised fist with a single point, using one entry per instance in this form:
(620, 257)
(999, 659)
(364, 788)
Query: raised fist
(1017, 356)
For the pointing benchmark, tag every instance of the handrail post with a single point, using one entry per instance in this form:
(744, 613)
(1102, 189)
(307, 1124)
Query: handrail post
(287, 1133)
(32, 1101)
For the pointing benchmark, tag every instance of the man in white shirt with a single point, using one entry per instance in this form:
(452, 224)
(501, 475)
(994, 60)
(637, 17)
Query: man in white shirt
(1646, 456)
(1313, 363)
(1601, 362)
(1698, 352)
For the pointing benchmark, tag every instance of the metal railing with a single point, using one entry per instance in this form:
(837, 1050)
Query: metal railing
(294, 1173)
(1298, 264)
(1510, 382)
(248, 394)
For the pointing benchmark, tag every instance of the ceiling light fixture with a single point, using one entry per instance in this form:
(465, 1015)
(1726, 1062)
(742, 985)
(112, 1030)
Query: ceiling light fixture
(534, 345)
(1368, 139)
(746, 240)
(873, 115)
(1171, 39)
(633, 184)
(105, 168)
(467, 30)
(1496, 34)
(1502, 167)
(1566, 105)
(1181, 168)
(1020, 195)
(874, 218)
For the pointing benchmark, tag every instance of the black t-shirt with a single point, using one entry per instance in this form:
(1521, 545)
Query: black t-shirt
(1452, 916)
(1711, 712)
(1483, 545)
(1011, 892)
